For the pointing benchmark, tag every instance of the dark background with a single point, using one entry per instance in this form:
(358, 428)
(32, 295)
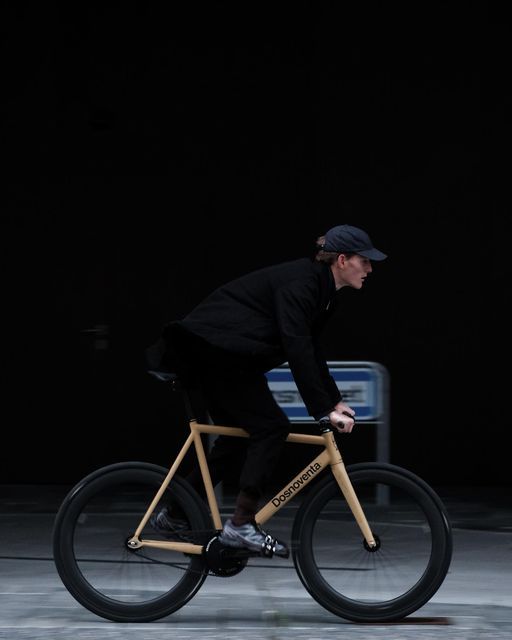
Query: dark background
(150, 155)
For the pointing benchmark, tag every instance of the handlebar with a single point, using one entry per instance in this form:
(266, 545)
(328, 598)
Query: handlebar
(326, 426)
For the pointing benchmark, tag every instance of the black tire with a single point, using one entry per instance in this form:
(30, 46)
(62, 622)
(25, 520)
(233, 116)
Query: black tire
(91, 528)
(359, 584)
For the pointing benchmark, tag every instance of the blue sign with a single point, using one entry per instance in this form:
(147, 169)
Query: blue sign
(360, 385)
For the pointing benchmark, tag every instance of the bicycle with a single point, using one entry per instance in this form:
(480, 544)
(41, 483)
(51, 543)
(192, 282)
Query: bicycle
(388, 533)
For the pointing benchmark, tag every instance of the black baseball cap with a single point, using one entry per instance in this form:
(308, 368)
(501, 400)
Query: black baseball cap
(348, 239)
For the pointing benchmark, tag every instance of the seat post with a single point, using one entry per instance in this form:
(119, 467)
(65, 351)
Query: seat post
(178, 386)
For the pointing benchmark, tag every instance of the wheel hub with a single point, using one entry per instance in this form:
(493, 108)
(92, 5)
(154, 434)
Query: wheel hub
(132, 543)
(372, 549)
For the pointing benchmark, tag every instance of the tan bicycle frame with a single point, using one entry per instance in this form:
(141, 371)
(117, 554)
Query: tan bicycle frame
(330, 456)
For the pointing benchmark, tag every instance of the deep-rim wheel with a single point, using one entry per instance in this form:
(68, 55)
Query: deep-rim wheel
(360, 584)
(91, 530)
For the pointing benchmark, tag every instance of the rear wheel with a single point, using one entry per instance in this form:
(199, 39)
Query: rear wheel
(406, 568)
(91, 531)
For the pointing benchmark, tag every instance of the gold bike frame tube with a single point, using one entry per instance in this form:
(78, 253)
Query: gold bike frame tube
(181, 547)
(292, 488)
(205, 472)
(340, 473)
(165, 484)
(302, 438)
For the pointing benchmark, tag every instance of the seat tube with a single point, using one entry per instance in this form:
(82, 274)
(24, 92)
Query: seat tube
(340, 473)
(205, 472)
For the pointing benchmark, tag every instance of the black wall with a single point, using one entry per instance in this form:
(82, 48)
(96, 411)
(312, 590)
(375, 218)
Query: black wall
(153, 155)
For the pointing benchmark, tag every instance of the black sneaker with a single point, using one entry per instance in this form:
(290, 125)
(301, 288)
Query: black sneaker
(168, 523)
(251, 536)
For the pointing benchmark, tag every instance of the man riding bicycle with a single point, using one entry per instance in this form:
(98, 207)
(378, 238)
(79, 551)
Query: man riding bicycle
(244, 329)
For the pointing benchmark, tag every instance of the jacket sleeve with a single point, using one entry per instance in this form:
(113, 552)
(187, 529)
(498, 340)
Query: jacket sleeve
(297, 307)
(328, 380)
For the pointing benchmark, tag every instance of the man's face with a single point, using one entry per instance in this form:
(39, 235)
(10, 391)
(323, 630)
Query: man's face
(354, 270)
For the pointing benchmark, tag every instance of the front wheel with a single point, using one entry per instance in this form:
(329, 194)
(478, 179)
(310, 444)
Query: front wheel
(91, 531)
(413, 554)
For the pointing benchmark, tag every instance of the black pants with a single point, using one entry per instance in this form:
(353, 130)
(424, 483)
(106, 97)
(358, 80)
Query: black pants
(236, 394)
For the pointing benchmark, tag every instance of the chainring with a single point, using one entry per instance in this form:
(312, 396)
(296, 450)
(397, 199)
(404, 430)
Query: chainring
(224, 561)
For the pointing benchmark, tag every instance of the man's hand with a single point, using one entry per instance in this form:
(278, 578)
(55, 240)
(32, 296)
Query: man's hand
(342, 418)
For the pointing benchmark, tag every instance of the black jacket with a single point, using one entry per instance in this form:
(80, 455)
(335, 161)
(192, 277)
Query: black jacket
(271, 316)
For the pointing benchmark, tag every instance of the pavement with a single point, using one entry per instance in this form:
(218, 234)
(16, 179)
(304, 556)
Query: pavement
(267, 599)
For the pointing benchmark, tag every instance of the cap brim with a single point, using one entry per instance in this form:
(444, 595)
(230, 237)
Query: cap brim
(373, 254)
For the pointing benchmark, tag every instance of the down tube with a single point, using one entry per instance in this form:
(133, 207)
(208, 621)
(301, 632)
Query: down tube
(302, 479)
